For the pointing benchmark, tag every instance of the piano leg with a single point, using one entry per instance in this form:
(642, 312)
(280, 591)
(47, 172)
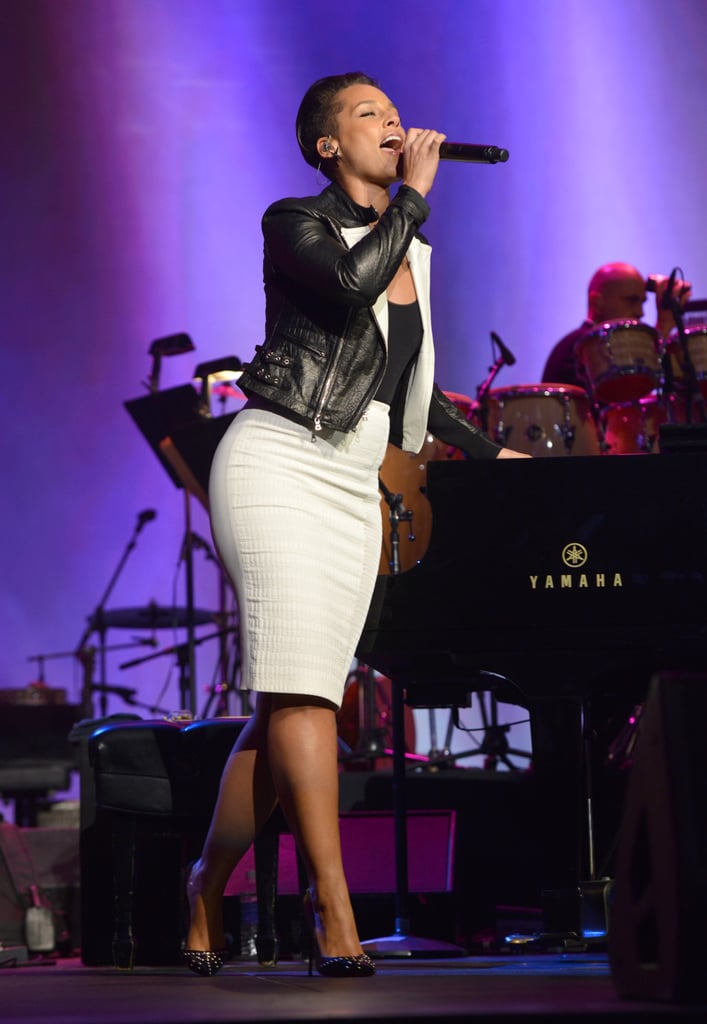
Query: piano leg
(556, 732)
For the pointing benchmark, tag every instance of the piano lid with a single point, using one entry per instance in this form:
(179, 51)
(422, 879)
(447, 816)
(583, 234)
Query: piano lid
(551, 571)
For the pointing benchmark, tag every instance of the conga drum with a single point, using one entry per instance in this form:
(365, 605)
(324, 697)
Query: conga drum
(620, 360)
(633, 428)
(696, 344)
(542, 419)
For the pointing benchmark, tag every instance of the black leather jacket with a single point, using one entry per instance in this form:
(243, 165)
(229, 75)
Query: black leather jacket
(324, 356)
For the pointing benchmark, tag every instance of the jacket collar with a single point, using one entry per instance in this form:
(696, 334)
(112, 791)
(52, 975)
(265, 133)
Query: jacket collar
(335, 199)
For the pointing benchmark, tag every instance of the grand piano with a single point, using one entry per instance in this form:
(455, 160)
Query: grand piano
(561, 585)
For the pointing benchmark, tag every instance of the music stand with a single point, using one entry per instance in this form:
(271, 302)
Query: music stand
(160, 413)
(184, 441)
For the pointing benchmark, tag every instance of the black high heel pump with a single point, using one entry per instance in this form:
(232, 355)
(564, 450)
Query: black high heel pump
(360, 966)
(204, 962)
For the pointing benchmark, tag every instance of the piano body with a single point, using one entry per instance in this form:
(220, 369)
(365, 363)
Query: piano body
(556, 584)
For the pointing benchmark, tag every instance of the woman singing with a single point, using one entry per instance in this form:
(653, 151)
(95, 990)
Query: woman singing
(347, 365)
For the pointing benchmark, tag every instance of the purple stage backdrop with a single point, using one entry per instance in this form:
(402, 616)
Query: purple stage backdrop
(142, 141)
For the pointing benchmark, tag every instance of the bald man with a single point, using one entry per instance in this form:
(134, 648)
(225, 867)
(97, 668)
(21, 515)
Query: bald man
(617, 291)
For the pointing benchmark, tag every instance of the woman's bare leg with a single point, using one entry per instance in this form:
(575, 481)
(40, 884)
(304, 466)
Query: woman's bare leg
(303, 755)
(245, 801)
(288, 752)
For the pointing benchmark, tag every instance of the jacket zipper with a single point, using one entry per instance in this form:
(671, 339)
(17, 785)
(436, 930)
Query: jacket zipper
(326, 388)
(329, 379)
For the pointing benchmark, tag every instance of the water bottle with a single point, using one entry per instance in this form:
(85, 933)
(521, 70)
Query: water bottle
(249, 918)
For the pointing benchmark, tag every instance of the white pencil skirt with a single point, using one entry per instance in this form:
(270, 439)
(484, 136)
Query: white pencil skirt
(297, 525)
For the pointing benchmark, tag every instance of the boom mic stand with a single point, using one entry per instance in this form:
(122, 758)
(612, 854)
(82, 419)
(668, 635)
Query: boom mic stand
(127, 694)
(398, 514)
(693, 391)
(87, 657)
(483, 390)
(494, 746)
(401, 943)
(187, 657)
(185, 654)
(96, 622)
(219, 691)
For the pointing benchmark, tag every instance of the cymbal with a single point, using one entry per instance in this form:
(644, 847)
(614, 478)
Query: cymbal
(153, 616)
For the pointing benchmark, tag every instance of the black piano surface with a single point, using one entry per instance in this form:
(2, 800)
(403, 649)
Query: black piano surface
(562, 585)
(553, 573)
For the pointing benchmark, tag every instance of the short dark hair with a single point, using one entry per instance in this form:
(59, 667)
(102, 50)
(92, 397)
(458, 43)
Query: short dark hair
(317, 113)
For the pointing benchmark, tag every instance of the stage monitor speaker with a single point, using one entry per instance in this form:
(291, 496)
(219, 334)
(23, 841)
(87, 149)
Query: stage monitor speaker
(658, 930)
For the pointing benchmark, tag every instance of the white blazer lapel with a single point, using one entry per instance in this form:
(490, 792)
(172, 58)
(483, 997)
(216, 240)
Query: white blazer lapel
(422, 378)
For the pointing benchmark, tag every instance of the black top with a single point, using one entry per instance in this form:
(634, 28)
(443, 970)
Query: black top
(404, 340)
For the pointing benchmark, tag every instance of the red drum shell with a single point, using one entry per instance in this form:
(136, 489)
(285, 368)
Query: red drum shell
(620, 360)
(633, 428)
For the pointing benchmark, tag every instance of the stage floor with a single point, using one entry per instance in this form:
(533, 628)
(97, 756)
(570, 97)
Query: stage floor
(498, 989)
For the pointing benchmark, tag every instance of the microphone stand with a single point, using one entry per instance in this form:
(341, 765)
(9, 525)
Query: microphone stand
(96, 623)
(128, 695)
(218, 691)
(494, 745)
(371, 739)
(184, 652)
(666, 392)
(483, 390)
(398, 514)
(222, 688)
(87, 657)
(693, 391)
(187, 662)
(400, 942)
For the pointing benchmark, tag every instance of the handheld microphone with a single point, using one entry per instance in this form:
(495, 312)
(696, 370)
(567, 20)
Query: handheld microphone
(472, 154)
(508, 357)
